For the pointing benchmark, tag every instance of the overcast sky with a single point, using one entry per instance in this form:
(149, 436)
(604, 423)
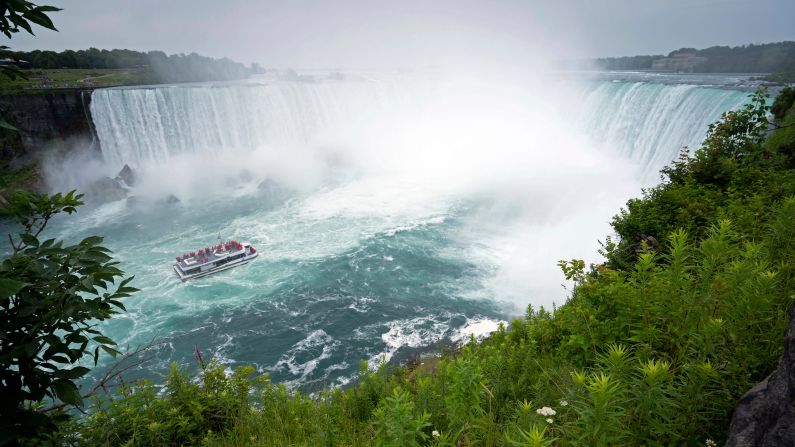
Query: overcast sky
(410, 33)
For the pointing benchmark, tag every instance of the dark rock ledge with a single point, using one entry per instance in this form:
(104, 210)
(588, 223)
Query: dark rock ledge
(765, 415)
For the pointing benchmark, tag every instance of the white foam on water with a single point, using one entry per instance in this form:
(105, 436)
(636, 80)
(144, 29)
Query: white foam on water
(412, 333)
(314, 340)
(479, 328)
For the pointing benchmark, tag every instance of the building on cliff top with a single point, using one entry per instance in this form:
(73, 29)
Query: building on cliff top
(679, 62)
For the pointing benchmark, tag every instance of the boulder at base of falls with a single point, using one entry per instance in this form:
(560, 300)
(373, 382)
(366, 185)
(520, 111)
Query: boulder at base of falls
(126, 175)
(171, 199)
(765, 415)
(141, 203)
(105, 190)
(272, 192)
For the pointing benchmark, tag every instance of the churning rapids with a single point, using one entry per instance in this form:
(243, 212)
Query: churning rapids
(392, 212)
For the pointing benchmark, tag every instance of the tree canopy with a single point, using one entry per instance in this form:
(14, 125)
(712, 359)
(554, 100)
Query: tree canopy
(754, 58)
(164, 68)
(52, 295)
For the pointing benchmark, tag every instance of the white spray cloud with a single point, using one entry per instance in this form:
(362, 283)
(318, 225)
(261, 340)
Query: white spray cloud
(394, 145)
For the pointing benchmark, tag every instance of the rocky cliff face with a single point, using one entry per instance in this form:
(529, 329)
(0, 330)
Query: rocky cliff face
(765, 415)
(44, 119)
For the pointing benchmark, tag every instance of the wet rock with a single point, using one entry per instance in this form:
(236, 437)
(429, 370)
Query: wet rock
(765, 415)
(246, 176)
(134, 201)
(272, 192)
(268, 185)
(236, 179)
(127, 175)
(170, 200)
(105, 190)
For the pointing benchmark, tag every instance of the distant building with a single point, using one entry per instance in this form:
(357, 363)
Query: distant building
(679, 62)
(17, 63)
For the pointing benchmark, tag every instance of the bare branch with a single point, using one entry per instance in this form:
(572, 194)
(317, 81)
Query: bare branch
(13, 247)
(115, 371)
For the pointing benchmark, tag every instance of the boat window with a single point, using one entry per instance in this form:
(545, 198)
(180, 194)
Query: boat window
(192, 271)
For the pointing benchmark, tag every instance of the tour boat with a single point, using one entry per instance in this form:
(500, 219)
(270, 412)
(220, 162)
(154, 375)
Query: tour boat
(213, 259)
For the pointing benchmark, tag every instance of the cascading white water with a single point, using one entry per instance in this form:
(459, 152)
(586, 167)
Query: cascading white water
(645, 122)
(139, 126)
(649, 123)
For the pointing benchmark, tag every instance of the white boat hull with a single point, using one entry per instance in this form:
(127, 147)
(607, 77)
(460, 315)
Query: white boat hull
(227, 266)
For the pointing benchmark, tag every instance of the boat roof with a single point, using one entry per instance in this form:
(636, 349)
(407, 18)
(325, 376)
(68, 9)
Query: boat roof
(212, 255)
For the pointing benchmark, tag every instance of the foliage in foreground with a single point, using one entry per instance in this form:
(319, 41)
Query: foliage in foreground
(652, 348)
(51, 297)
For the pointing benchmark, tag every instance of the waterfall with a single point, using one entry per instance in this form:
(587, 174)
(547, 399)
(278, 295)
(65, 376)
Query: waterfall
(645, 122)
(139, 126)
(650, 123)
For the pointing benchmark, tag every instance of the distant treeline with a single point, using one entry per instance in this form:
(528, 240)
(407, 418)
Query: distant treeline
(175, 68)
(776, 57)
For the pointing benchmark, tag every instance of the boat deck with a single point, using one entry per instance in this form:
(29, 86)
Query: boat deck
(209, 256)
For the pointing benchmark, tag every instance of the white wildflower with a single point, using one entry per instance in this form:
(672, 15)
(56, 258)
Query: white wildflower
(550, 420)
(435, 433)
(546, 411)
(563, 403)
(711, 443)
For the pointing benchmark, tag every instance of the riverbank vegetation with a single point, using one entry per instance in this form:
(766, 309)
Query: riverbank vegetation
(652, 347)
(38, 80)
(777, 58)
(49, 70)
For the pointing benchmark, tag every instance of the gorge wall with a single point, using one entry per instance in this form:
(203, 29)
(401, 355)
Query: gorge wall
(765, 415)
(43, 120)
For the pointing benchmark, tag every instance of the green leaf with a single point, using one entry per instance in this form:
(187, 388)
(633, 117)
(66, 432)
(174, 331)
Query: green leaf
(45, 8)
(113, 353)
(104, 340)
(40, 19)
(67, 392)
(21, 22)
(25, 310)
(60, 359)
(29, 239)
(74, 373)
(10, 287)
(118, 304)
(92, 240)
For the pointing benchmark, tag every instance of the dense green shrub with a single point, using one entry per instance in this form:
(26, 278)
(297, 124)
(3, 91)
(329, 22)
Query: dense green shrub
(51, 297)
(184, 413)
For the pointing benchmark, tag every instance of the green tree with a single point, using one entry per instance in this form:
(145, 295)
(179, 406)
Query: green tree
(21, 14)
(51, 297)
(16, 14)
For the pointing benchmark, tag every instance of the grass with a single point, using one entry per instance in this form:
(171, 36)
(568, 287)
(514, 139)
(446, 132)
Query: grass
(43, 80)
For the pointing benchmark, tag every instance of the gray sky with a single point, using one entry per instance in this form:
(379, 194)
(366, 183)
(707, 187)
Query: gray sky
(410, 33)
